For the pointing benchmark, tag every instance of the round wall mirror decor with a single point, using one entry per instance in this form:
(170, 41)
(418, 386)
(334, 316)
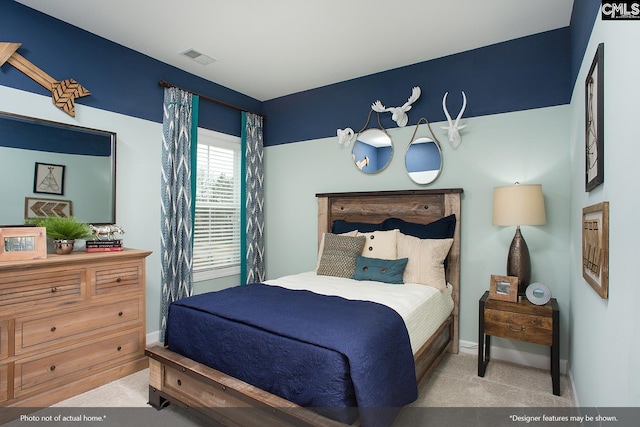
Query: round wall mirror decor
(372, 151)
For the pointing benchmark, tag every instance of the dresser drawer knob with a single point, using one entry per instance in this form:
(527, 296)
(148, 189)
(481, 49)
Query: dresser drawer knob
(53, 329)
(179, 382)
(54, 289)
(119, 279)
(520, 329)
(119, 347)
(120, 314)
(52, 368)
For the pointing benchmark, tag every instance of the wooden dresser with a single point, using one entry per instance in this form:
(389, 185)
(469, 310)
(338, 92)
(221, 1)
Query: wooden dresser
(70, 323)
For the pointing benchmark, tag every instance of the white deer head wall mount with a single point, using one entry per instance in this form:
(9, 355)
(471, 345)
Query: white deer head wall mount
(398, 114)
(453, 130)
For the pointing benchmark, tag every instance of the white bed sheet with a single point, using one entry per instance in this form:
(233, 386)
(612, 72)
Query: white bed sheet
(423, 308)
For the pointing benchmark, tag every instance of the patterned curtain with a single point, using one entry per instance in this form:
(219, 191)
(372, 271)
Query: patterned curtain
(252, 240)
(176, 251)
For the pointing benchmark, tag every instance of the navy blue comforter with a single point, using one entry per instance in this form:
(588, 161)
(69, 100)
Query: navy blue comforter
(314, 350)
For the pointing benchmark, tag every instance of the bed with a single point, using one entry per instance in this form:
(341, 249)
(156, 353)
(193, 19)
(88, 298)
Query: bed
(191, 382)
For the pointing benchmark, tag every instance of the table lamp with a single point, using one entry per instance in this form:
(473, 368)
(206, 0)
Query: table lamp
(519, 205)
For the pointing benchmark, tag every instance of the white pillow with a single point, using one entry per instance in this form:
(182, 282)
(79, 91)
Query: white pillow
(426, 260)
(380, 244)
(353, 233)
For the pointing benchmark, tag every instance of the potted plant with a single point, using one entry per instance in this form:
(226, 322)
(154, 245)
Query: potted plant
(63, 230)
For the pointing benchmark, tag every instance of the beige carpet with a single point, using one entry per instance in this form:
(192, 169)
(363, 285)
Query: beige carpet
(454, 384)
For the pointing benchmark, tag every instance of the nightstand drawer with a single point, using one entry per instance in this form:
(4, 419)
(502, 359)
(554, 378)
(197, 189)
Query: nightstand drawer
(517, 326)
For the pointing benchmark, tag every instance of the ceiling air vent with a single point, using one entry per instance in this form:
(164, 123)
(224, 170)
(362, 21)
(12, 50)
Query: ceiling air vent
(200, 58)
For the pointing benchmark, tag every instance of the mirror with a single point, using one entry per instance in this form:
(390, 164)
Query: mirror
(372, 151)
(55, 169)
(423, 160)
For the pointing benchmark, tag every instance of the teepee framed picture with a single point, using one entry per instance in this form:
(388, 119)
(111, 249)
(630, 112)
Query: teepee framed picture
(49, 179)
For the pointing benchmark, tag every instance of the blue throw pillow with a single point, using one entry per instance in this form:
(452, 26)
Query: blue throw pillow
(380, 270)
(444, 228)
(340, 226)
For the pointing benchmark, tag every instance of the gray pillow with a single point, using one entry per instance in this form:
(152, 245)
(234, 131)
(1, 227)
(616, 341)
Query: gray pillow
(339, 255)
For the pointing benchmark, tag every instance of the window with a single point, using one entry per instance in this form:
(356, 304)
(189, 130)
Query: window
(216, 246)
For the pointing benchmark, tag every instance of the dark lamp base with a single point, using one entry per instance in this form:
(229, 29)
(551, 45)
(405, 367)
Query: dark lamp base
(519, 262)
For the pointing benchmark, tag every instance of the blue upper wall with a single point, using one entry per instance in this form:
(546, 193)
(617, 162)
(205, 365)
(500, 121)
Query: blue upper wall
(521, 74)
(530, 72)
(120, 79)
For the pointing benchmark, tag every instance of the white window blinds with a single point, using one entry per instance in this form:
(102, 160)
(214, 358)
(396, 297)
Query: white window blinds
(216, 249)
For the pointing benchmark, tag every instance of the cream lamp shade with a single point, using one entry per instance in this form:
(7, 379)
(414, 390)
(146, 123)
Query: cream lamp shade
(518, 205)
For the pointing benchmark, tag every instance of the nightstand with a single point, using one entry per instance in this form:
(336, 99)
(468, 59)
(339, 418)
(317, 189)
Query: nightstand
(522, 321)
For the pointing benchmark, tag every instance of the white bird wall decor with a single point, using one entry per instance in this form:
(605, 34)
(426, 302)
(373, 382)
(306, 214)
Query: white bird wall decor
(453, 130)
(398, 114)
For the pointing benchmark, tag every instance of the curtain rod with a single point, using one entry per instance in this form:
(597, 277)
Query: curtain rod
(206, 98)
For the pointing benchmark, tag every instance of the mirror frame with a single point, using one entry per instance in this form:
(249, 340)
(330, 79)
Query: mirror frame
(110, 138)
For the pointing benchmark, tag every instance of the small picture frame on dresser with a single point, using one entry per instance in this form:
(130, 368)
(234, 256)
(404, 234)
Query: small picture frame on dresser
(23, 243)
(503, 288)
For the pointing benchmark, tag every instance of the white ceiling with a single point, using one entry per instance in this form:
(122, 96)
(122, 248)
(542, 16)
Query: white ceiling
(266, 49)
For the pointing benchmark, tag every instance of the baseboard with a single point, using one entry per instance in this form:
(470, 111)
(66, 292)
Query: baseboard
(153, 338)
(514, 356)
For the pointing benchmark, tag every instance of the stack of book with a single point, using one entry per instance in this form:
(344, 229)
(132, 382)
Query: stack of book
(103, 245)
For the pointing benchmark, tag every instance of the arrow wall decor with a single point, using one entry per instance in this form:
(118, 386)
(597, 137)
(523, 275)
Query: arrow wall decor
(63, 92)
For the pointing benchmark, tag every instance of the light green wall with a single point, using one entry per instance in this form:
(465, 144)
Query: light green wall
(528, 147)
(605, 334)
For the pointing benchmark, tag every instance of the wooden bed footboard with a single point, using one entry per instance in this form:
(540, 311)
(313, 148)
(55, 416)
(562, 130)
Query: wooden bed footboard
(180, 381)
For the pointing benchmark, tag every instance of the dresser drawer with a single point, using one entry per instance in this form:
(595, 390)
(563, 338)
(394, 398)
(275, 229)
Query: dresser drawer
(518, 326)
(118, 278)
(4, 339)
(37, 331)
(40, 289)
(4, 383)
(65, 366)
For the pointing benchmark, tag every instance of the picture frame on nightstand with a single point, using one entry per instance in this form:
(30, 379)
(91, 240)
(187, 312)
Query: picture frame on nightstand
(503, 288)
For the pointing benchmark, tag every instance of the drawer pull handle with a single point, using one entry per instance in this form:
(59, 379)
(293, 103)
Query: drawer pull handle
(521, 329)
(119, 279)
(52, 368)
(179, 382)
(53, 329)
(120, 314)
(54, 289)
(119, 347)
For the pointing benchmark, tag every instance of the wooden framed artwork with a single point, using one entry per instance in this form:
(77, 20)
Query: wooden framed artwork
(503, 288)
(48, 179)
(23, 243)
(35, 207)
(594, 122)
(595, 247)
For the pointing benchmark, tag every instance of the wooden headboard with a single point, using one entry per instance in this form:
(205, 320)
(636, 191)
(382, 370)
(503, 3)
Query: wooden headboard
(418, 206)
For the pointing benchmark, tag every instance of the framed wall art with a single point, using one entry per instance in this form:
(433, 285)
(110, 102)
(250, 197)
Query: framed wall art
(23, 243)
(595, 247)
(503, 288)
(49, 179)
(35, 207)
(594, 122)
